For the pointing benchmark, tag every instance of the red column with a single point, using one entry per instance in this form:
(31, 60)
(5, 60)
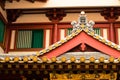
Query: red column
(55, 15)
(55, 33)
(112, 32)
(111, 15)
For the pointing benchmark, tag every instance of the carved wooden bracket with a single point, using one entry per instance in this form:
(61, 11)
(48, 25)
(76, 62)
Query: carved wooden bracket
(12, 15)
(2, 4)
(110, 14)
(55, 15)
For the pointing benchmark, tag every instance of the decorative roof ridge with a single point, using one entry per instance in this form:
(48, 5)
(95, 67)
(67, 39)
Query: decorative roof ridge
(81, 25)
(73, 34)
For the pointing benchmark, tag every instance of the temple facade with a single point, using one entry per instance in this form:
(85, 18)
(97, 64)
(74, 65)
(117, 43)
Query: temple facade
(59, 40)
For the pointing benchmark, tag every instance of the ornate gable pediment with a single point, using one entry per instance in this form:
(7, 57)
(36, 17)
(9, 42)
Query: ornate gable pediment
(82, 34)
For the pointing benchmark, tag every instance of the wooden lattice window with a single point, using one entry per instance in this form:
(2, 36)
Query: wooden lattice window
(30, 38)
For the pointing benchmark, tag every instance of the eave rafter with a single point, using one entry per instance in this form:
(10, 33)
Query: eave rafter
(54, 13)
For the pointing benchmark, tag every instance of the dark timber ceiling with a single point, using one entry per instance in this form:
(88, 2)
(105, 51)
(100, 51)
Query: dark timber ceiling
(13, 14)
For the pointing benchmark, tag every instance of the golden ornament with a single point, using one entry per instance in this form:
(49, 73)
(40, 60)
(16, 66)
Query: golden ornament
(111, 59)
(92, 59)
(35, 59)
(101, 59)
(53, 59)
(16, 59)
(72, 59)
(82, 59)
(7, 59)
(103, 40)
(25, 59)
(63, 59)
(44, 59)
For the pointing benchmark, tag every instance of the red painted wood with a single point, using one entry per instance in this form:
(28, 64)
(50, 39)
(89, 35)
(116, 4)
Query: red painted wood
(112, 32)
(83, 46)
(55, 33)
(116, 30)
(83, 38)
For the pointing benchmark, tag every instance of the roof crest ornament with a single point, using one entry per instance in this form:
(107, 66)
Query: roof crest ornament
(82, 23)
(78, 27)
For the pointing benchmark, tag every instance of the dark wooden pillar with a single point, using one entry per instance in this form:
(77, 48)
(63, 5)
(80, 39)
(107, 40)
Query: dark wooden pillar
(55, 15)
(111, 14)
(7, 39)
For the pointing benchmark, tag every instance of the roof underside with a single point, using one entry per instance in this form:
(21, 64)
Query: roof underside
(60, 4)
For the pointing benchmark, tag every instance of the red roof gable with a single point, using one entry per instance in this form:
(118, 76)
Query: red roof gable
(83, 37)
(82, 33)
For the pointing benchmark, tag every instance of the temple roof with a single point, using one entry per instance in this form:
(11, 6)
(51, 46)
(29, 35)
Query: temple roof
(83, 29)
(82, 33)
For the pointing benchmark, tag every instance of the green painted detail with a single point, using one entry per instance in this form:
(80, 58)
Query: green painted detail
(37, 38)
(2, 30)
(69, 30)
(97, 31)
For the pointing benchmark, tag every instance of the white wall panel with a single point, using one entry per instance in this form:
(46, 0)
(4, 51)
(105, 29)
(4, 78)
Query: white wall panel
(105, 33)
(62, 34)
(12, 43)
(47, 41)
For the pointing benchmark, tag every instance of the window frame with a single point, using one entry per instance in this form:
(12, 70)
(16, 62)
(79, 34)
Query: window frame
(32, 26)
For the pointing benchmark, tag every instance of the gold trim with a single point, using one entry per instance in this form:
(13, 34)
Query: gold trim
(82, 76)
